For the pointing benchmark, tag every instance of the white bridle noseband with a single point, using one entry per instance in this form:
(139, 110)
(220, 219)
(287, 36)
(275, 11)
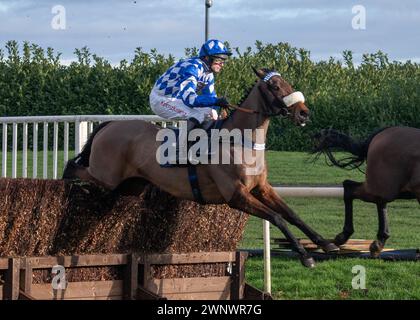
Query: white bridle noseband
(292, 98)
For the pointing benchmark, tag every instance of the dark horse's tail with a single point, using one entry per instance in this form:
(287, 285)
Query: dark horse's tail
(82, 159)
(329, 141)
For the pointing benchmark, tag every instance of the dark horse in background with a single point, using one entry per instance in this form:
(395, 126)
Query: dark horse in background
(121, 151)
(392, 172)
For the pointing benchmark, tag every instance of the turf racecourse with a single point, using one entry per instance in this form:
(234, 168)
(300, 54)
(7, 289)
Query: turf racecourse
(333, 279)
(330, 279)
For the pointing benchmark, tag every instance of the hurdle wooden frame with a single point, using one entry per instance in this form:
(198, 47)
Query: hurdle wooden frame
(137, 282)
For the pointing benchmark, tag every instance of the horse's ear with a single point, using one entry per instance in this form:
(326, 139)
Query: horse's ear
(259, 72)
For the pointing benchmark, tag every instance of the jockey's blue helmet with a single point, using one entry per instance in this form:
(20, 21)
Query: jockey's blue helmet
(214, 48)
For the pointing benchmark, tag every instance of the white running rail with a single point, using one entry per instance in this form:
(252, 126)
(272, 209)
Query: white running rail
(83, 126)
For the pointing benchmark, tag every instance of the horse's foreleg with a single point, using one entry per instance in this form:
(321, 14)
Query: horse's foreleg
(383, 232)
(348, 229)
(245, 201)
(269, 197)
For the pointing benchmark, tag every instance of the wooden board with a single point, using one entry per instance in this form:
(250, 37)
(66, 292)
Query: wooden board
(238, 276)
(4, 263)
(189, 258)
(12, 280)
(191, 288)
(92, 290)
(98, 298)
(185, 285)
(353, 245)
(78, 261)
(225, 295)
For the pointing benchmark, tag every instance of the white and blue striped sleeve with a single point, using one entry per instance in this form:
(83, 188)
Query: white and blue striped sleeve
(188, 89)
(209, 88)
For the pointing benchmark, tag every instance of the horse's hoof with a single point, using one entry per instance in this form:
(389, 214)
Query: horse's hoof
(341, 239)
(330, 248)
(375, 249)
(308, 262)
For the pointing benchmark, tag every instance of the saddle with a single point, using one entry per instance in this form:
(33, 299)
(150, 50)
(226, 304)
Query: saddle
(191, 166)
(191, 159)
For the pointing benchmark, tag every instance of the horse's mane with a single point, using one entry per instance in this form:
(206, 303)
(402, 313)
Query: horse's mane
(249, 89)
(247, 92)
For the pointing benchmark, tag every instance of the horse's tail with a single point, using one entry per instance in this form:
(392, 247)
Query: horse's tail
(329, 141)
(82, 159)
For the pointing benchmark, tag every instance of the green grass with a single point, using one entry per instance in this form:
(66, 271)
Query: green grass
(296, 168)
(333, 279)
(60, 163)
(330, 279)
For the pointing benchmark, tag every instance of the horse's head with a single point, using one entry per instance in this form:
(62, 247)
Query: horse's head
(280, 98)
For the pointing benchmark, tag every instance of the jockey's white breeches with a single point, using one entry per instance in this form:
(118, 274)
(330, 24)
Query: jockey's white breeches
(171, 108)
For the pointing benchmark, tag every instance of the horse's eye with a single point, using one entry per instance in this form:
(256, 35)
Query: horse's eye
(276, 88)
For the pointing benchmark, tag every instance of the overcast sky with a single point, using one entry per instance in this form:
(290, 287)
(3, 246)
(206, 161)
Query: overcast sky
(113, 29)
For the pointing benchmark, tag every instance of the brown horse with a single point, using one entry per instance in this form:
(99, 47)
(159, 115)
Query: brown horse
(392, 172)
(122, 151)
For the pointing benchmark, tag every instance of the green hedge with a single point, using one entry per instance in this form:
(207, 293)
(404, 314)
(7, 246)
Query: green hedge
(353, 98)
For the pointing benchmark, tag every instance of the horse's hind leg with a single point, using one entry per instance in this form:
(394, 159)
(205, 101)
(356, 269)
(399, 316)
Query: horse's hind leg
(245, 201)
(383, 232)
(348, 229)
(353, 190)
(356, 190)
(133, 186)
(74, 171)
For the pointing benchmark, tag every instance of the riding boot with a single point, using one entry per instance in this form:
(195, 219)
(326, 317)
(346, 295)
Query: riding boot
(192, 123)
(206, 125)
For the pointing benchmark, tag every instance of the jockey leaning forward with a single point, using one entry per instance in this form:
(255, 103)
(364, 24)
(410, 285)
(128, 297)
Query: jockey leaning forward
(186, 90)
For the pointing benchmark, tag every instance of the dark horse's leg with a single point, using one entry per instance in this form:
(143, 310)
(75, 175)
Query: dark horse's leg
(356, 190)
(245, 201)
(383, 231)
(269, 197)
(349, 195)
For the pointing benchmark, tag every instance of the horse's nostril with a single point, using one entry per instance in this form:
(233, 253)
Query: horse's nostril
(303, 114)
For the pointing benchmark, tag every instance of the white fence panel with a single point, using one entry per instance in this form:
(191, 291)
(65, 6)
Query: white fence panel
(4, 151)
(25, 150)
(83, 127)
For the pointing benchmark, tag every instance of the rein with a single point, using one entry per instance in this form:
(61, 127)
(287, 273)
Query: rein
(283, 111)
(236, 107)
(287, 101)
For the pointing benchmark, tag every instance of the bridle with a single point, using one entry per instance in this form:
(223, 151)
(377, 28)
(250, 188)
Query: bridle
(286, 102)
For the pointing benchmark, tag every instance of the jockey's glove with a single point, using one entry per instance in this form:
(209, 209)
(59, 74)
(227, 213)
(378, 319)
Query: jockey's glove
(222, 102)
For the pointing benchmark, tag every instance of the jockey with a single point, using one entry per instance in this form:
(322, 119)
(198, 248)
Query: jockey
(186, 90)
